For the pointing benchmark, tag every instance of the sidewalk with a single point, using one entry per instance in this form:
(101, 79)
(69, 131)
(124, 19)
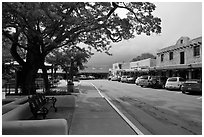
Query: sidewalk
(62, 86)
(94, 116)
(87, 113)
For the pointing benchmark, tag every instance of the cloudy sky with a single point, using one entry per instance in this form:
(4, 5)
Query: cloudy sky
(178, 19)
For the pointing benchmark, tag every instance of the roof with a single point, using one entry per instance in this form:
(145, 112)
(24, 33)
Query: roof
(186, 42)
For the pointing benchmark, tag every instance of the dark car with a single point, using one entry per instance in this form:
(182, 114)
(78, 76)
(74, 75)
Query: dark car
(192, 86)
(158, 81)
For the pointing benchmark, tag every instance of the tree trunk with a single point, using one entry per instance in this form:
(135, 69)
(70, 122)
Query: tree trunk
(34, 60)
(33, 63)
(28, 80)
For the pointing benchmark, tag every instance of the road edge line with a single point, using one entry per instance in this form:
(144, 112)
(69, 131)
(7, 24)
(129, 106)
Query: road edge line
(135, 129)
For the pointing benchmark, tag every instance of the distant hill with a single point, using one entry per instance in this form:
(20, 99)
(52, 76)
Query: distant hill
(143, 56)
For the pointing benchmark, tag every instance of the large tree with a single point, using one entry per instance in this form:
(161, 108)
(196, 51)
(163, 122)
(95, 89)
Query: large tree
(40, 27)
(144, 56)
(71, 60)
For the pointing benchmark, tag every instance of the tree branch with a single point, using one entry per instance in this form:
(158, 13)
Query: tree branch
(115, 6)
(15, 54)
(129, 9)
(6, 34)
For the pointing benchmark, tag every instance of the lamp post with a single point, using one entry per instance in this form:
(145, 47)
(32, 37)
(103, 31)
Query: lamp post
(70, 84)
(71, 68)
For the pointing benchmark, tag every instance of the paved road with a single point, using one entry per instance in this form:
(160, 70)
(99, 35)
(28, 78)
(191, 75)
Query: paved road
(155, 111)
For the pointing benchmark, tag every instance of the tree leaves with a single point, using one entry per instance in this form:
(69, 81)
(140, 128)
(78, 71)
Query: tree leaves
(64, 57)
(144, 56)
(94, 23)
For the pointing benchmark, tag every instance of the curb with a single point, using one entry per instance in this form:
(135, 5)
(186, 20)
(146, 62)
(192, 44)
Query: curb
(135, 129)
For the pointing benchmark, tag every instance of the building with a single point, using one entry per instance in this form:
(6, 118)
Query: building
(132, 68)
(142, 67)
(116, 68)
(183, 59)
(99, 72)
(143, 64)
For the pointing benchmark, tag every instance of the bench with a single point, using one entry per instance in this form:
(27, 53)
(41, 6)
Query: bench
(20, 120)
(40, 105)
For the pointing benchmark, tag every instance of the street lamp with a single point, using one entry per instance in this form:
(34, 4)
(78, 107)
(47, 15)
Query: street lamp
(70, 84)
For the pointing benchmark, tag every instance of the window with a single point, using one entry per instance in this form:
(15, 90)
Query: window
(144, 77)
(196, 50)
(181, 79)
(181, 41)
(162, 57)
(171, 56)
(182, 58)
(172, 79)
(120, 66)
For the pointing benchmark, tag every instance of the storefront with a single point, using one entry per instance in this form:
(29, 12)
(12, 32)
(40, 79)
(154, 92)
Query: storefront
(191, 71)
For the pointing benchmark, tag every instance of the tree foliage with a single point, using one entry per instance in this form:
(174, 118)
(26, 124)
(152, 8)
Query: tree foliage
(40, 27)
(144, 56)
(69, 23)
(69, 59)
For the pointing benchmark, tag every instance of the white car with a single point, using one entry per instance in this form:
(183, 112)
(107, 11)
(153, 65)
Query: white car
(124, 79)
(131, 79)
(137, 80)
(174, 83)
(144, 81)
(91, 77)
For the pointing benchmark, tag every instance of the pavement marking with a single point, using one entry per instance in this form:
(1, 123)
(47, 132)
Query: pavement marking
(136, 130)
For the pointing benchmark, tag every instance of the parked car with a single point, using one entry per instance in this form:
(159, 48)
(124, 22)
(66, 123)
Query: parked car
(158, 81)
(145, 81)
(137, 80)
(174, 83)
(131, 79)
(192, 86)
(123, 79)
(82, 77)
(115, 78)
(75, 78)
(91, 77)
(119, 78)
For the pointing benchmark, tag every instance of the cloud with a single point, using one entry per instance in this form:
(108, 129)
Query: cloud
(178, 19)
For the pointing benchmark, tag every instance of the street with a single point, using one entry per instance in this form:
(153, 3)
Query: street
(154, 111)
